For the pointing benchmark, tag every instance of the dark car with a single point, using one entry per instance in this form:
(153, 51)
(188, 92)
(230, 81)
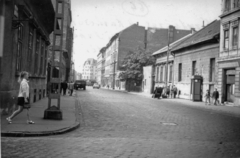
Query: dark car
(80, 84)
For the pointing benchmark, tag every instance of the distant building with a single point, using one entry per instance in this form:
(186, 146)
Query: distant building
(157, 38)
(100, 66)
(129, 40)
(115, 52)
(229, 56)
(78, 75)
(27, 29)
(89, 69)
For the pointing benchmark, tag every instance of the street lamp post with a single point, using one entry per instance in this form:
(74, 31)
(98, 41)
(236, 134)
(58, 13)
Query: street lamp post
(168, 52)
(2, 8)
(114, 62)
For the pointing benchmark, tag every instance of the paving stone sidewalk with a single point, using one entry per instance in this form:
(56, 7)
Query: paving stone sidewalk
(229, 110)
(42, 127)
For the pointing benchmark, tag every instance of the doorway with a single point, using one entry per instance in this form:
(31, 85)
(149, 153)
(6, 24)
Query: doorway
(229, 85)
(230, 92)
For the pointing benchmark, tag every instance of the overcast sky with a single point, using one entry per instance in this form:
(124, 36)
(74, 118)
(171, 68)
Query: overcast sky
(96, 21)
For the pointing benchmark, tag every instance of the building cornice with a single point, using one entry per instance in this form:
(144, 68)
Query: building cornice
(229, 12)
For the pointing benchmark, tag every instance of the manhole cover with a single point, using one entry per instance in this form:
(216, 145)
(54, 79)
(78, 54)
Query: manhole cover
(168, 123)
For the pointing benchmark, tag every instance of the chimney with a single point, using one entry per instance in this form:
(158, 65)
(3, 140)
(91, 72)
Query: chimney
(203, 24)
(193, 30)
(137, 23)
(171, 30)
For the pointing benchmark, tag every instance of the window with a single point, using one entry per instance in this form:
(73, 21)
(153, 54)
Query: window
(42, 59)
(235, 37)
(157, 74)
(161, 74)
(30, 47)
(59, 24)
(45, 63)
(36, 55)
(227, 5)
(180, 72)
(212, 70)
(236, 3)
(226, 39)
(59, 8)
(19, 48)
(170, 73)
(194, 68)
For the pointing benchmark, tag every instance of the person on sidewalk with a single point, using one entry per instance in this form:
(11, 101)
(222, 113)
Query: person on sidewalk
(23, 97)
(61, 87)
(174, 91)
(64, 86)
(207, 98)
(179, 93)
(168, 91)
(70, 87)
(215, 97)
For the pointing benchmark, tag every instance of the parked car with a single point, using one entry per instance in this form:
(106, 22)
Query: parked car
(96, 85)
(80, 84)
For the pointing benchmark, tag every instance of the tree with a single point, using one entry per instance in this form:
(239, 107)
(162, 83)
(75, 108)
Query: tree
(134, 63)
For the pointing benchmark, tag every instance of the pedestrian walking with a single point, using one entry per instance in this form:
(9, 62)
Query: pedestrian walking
(174, 91)
(207, 98)
(70, 87)
(23, 97)
(168, 91)
(179, 93)
(61, 87)
(215, 97)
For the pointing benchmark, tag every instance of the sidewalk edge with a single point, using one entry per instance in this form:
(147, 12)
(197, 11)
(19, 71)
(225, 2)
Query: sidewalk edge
(40, 133)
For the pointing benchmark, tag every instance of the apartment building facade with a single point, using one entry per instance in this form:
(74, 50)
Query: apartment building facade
(25, 48)
(89, 69)
(229, 55)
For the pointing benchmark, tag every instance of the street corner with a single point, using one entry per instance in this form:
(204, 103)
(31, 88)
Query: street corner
(34, 133)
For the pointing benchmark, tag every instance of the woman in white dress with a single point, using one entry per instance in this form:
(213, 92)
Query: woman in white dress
(23, 97)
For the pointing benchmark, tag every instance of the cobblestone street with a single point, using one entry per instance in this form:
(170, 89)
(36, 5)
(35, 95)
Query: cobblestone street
(122, 125)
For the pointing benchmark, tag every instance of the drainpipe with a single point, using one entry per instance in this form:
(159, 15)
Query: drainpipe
(2, 10)
(2, 20)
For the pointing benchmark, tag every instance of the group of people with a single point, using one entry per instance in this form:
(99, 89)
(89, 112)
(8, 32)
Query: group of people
(214, 96)
(166, 92)
(65, 86)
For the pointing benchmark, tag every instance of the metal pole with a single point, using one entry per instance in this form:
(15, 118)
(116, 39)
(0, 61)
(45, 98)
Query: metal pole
(114, 71)
(166, 76)
(2, 20)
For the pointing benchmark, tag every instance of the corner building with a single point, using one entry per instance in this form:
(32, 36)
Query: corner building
(229, 55)
(27, 28)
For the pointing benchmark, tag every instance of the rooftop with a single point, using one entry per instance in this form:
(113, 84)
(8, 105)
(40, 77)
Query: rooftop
(207, 33)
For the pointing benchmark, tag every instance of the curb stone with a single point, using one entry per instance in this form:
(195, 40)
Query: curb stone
(40, 133)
